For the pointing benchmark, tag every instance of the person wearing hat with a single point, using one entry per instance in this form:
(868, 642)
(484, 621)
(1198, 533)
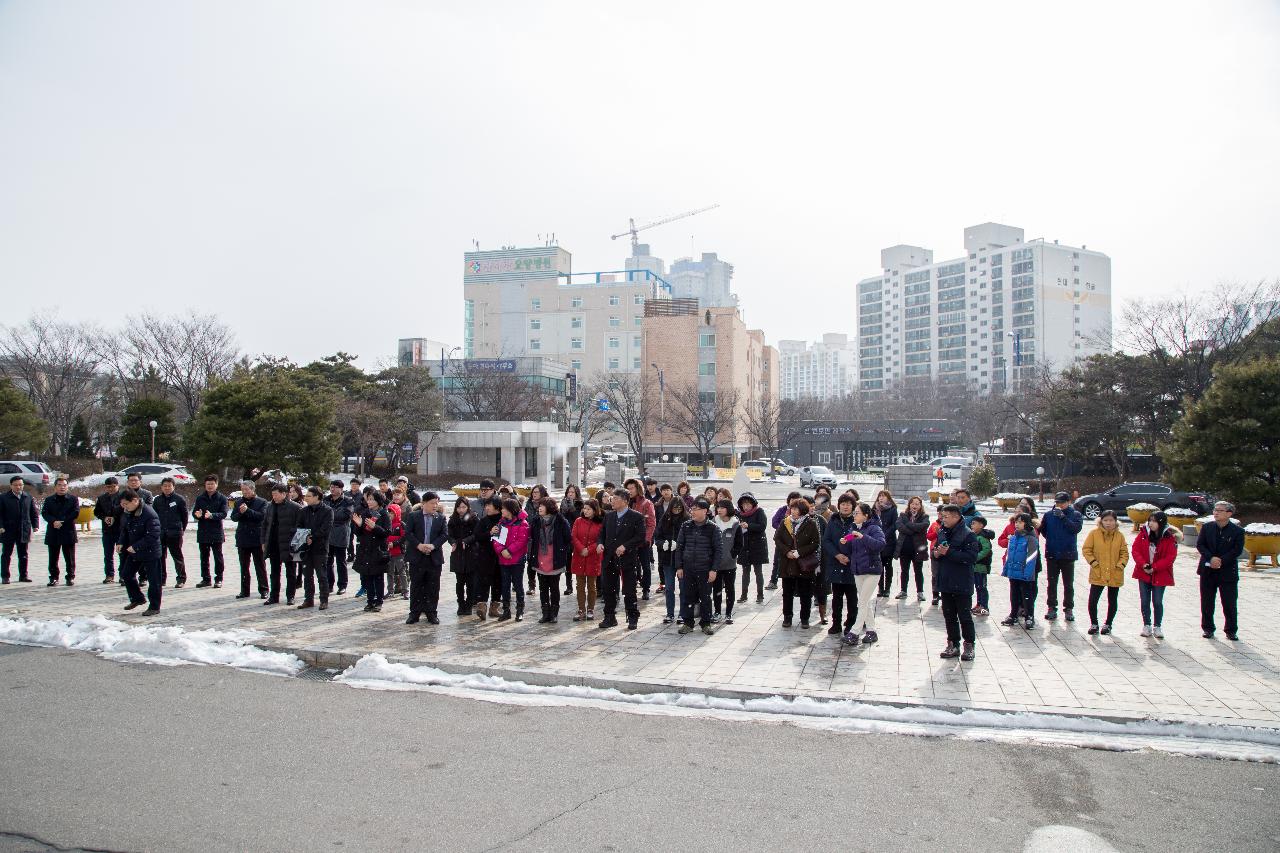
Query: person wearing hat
(409, 491)
(1060, 527)
(752, 544)
(697, 554)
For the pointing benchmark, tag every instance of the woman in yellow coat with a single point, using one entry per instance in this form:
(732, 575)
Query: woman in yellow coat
(1107, 554)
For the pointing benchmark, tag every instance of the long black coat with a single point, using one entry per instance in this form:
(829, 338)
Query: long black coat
(462, 543)
(561, 541)
(18, 517)
(249, 523)
(282, 521)
(753, 544)
(209, 530)
(423, 529)
(486, 558)
(626, 530)
(319, 520)
(64, 508)
(911, 535)
(369, 542)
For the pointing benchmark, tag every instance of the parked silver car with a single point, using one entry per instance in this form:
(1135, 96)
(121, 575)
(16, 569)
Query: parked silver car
(817, 475)
(35, 474)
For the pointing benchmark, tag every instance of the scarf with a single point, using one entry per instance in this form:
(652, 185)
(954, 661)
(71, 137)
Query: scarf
(545, 540)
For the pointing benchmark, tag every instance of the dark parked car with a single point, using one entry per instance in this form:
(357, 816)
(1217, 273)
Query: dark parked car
(1127, 494)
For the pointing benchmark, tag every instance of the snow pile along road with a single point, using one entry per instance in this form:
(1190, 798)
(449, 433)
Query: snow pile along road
(1241, 743)
(155, 644)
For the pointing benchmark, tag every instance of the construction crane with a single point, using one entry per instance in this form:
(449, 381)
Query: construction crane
(633, 230)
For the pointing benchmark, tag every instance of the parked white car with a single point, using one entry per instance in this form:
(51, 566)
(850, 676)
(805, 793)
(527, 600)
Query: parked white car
(153, 472)
(817, 475)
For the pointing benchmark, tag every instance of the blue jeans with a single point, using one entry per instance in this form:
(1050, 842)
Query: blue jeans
(669, 581)
(513, 577)
(1151, 596)
(980, 584)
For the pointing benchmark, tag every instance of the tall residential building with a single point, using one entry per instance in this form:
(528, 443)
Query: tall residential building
(984, 320)
(529, 302)
(712, 351)
(707, 280)
(824, 370)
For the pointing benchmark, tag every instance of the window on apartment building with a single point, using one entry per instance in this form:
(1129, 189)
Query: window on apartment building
(614, 343)
(535, 344)
(635, 341)
(576, 364)
(535, 304)
(707, 339)
(575, 323)
(575, 343)
(575, 302)
(613, 364)
(638, 299)
(615, 322)
(635, 363)
(535, 324)
(615, 300)
(708, 369)
(638, 320)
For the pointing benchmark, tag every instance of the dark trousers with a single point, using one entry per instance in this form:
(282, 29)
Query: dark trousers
(375, 588)
(956, 611)
(67, 550)
(532, 573)
(549, 594)
(108, 554)
(905, 562)
(480, 583)
(844, 594)
(1113, 598)
(291, 579)
(131, 570)
(6, 555)
(568, 575)
(1214, 584)
(461, 588)
(646, 568)
(215, 549)
(791, 587)
(886, 573)
(171, 545)
(315, 572)
(615, 579)
(773, 578)
(259, 569)
(980, 587)
(424, 589)
(1067, 570)
(336, 562)
(746, 580)
(723, 587)
(695, 589)
(1022, 598)
(511, 579)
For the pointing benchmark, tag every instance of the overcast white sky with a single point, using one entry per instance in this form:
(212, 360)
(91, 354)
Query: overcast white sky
(313, 171)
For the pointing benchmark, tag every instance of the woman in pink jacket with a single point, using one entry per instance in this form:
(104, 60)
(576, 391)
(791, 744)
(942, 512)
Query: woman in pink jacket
(511, 543)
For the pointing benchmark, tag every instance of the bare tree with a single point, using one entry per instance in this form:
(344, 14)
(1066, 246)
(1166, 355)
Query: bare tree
(632, 400)
(187, 352)
(54, 363)
(774, 424)
(479, 393)
(707, 419)
(365, 424)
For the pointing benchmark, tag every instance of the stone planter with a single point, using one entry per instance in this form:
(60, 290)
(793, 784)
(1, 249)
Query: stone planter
(934, 496)
(85, 518)
(467, 492)
(1139, 516)
(1262, 545)
(1007, 503)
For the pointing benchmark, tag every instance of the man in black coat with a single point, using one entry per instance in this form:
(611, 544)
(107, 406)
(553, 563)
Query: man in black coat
(134, 481)
(622, 536)
(210, 511)
(341, 507)
(248, 512)
(140, 540)
(282, 519)
(698, 546)
(1219, 545)
(60, 511)
(425, 534)
(317, 518)
(107, 509)
(18, 520)
(956, 551)
(171, 508)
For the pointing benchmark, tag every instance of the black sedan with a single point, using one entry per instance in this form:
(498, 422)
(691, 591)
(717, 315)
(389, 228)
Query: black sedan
(1158, 494)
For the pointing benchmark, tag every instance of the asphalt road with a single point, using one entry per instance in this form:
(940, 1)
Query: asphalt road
(99, 755)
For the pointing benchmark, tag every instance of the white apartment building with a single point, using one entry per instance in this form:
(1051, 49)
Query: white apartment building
(823, 370)
(708, 280)
(529, 302)
(984, 320)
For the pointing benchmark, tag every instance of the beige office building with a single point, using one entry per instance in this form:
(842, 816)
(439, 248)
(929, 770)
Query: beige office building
(529, 302)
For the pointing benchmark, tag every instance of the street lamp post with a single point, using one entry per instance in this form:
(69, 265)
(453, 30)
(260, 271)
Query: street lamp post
(153, 440)
(662, 408)
(1040, 475)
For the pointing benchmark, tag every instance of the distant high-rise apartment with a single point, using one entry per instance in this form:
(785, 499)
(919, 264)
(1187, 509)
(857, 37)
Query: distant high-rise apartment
(985, 320)
(823, 370)
(707, 280)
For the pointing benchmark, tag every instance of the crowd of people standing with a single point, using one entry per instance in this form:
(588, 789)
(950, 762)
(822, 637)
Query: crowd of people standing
(619, 544)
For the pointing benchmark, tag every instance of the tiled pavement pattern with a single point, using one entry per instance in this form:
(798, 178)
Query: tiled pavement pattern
(1055, 667)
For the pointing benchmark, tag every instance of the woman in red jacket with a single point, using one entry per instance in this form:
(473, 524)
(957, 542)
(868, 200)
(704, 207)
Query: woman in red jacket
(511, 543)
(586, 560)
(1154, 550)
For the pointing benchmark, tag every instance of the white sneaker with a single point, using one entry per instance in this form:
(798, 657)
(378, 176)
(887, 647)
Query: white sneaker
(1146, 631)
(1157, 633)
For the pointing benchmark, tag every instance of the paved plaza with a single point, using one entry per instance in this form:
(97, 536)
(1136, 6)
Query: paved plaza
(1056, 667)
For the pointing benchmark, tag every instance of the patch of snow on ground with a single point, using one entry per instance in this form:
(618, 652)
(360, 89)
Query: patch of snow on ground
(1054, 839)
(155, 644)
(1192, 739)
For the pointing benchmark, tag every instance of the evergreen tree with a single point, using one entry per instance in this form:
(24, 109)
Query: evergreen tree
(1228, 442)
(135, 438)
(20, 426)
(81, 446)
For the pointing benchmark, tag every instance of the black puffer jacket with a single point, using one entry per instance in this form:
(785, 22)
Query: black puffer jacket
(697, 547)
(753, 543)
